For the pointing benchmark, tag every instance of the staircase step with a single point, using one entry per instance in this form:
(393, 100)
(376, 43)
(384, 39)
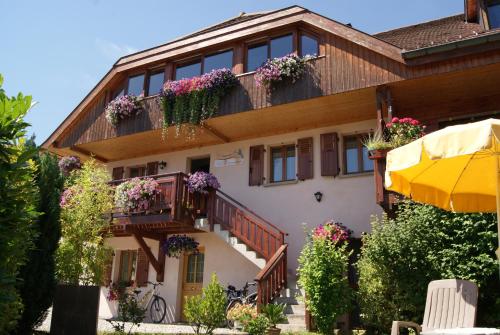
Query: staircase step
(296, 319)
(289, 328)
(299, 309)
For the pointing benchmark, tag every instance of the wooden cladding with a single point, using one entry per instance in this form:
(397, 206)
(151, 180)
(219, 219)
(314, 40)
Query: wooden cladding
(256, 172)
(305, 158)
(329, 155)
(118, 173)
(142, 269)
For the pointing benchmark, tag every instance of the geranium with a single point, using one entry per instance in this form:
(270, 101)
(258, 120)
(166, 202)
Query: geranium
(122, 107)
(69, 163)
(202, 182)
(333, 231)
(175, 245)
(288, 68)
(405, 130)
(136, 194)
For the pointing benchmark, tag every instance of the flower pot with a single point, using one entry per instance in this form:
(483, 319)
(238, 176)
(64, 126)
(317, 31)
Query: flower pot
(273, 331)
(378, 154)
(237, 324)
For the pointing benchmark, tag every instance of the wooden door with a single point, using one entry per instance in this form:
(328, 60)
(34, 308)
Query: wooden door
(192, 276)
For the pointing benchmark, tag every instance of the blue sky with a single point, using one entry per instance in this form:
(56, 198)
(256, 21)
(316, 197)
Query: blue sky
(57, 50)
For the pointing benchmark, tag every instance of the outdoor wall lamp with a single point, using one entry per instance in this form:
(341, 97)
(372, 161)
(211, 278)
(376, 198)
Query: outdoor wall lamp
(162, 165)
(318, 195)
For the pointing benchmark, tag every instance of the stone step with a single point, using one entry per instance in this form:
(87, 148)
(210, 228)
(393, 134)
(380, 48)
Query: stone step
(294, 319)
(299, 309)
(289, 328)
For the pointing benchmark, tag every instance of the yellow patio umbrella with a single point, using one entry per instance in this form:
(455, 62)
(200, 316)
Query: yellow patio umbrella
(456, 169)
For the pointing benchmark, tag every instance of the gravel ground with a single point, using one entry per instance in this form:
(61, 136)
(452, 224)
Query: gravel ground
(105, 326)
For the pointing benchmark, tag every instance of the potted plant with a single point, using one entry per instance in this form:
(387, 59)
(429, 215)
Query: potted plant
(240, 314)
(403, 131)
(121, 108)
(275, 313)
(176, 245)
(202, 182)
(68, 164)
(377, 145)
(289, 68)
(136, 194)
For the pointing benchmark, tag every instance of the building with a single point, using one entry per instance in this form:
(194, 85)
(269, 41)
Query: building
(283, 158)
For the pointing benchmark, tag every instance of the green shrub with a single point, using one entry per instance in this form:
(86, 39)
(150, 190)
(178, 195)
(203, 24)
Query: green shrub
(275, 313)
(207, 311)
(323, 266)
(18, 203)
(424, 243)
(129, 310)
(86, 204)
(257, 325)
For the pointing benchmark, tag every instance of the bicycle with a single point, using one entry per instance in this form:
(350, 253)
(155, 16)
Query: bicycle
(157, 305)
(239, 297)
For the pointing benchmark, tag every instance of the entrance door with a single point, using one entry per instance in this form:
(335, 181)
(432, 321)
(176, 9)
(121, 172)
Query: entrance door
(192, 277)
(199, 164)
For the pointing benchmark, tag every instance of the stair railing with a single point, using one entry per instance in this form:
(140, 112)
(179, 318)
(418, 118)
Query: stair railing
(272, 278)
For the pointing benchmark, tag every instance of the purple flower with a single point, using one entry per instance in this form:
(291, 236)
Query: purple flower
(68, 164)
(290, 67)
(136, 194)
(202, 182)
(175, 245)
(121, 107)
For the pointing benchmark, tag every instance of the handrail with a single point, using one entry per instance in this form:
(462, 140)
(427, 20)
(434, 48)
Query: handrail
(251, 212)
(272, 262)
(272, 278)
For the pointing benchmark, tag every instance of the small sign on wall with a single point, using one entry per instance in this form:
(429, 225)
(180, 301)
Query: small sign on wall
(231, 159)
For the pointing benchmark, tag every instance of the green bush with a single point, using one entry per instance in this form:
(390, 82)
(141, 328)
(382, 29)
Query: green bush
(257, 325)
(129, 311)
(323, 266)
(424, 243)
(207, 311)
(275, 313)
(18, 203)
(87, 202)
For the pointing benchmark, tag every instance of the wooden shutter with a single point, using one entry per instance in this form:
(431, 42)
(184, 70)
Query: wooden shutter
(256, 173)
(305, 158)
(142, 270)
(118, 173)
(152, 168)
(330, 154)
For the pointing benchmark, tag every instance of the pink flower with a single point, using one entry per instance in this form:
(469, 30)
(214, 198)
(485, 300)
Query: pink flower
(395, 120)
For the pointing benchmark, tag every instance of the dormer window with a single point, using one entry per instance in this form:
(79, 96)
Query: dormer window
(219, 60)
(135, 85)
(308, 45)
(494, 14)
(155, 83)
(258, 53)
(188, 70)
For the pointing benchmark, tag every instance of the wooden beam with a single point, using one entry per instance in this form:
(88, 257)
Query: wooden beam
(88, 154)
(152, 259)
(161, 261)
(216, 133)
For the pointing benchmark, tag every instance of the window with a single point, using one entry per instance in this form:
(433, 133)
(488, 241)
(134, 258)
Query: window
(135, 85)
(138, 171)
(283, 163)
(356, 155)
(155, 82)
(199, 164)
(308, 45)
(494, 14)
(188, 71)
(257, 54)
(195, 266)
(119, 93)
(218, 61)
(128, 263)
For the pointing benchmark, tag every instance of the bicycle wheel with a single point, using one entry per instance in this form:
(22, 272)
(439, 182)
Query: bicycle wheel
(232, 304)
(157, 309)
(251, 299)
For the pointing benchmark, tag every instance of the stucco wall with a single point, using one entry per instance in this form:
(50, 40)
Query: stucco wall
(347, 199)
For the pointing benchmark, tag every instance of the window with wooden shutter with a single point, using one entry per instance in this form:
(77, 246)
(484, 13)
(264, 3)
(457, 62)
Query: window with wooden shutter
(118, 173)
(305, 158)
(282, 160)
(142, 268)
(256, 173)
(152, 168)
(330, 154)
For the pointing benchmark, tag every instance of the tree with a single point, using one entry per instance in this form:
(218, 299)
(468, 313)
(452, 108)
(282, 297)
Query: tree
(424, 243)
(86, 204)
(38, 275)
(18, 203)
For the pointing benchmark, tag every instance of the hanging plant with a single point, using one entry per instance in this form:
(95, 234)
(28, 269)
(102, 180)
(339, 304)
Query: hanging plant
(121, 108)
(289, 68)
(136, 194)
(202, 182)
(69, 163)
(332, 231)
(192, 101)
(176, 245)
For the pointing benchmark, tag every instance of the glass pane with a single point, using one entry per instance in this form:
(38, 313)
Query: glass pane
(135, 85)
(119, 93)
(133, 264)
(257, 55)
(200, 265)
(124, 266)
(281, 46)
(308, 46)
(155, 83)
(277, 162)
(290, 163)
(219, 61)
(188, 71)
(351, 153)
(367, 162)
(191, 268)
(494, 16)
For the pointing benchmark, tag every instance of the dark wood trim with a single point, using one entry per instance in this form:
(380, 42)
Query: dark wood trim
(158, 266)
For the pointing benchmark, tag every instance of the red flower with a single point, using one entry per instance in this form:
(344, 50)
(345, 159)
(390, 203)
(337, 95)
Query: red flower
(395, 120)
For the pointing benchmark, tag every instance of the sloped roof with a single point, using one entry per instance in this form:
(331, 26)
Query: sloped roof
(432, 33)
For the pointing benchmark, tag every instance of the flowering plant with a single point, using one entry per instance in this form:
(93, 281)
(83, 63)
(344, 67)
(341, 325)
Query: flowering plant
(276, 70)
(333, 231)
(136, 194)
(122, 107)
(68, 195)
(202, 182)
(403, 131)
(242, 313)
(175, 245)
(195, 99)
(117, 291)
(69, 163)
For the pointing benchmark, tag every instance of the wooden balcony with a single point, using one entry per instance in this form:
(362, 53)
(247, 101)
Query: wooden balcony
(384, 198)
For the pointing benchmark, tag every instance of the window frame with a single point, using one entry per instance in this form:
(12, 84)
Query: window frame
(214, 53)
(310, 35)
(487, 5)
(147, 80)
(201, 58)
(133, 75)
(359, 137)
(129, 264)
(142, 168)
(267, 41)
(283, 151)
